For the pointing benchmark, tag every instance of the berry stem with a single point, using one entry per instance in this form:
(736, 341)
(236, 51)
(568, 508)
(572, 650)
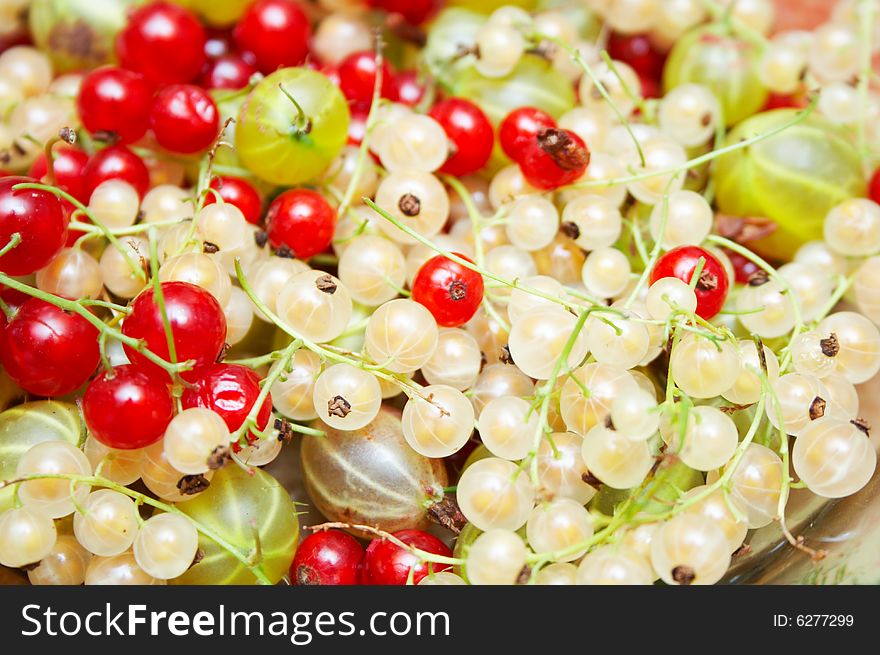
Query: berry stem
(513, 284)
(866, 32)
(409, 387)
(160, 296)
(250, 421)
(783, 284)
(85, 210)
(364, 148)
(578, 58)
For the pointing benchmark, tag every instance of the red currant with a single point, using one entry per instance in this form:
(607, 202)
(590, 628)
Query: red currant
(519, 129)
(229, 390)
(127, 408)
(68, 164)
(638, 51)
(116, 163)
(197, 322)
(386, 563)
(302, 220)
(164, 42)
(184, 119)
(357, 78)
(469, 132)
(38, 218)
(874, 187)
(555, 158)
(415, 12)
(239, 192)
(450, 291)
(651, 88)
(711, 289)
(329, 557)
(116, 102)
(276, 32)
(797, 100)
(743, 267)
(48, 351)
(408, 89)
(228, 72)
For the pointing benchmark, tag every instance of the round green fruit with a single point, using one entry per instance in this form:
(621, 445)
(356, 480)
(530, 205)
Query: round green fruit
(794, 178)
(26, 425)
(291, 126)
(371, 476)
(78, 34)
(533, 83)
(726, 65)
(246, 510)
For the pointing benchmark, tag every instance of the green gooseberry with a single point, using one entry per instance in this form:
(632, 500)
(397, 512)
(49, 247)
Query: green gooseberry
(291, 126)
(533, 83)
(794, 178)
(677, 478)
(726, 65)
(28, 424)
(251, 511)
(371, 476)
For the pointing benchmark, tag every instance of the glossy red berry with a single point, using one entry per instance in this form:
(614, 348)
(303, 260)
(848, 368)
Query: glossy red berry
(639, 52)
(518, 130)
(228, 72)
(13, 298)
(712, 287)
(116, 163)
(128, 408)
(48, 351)
(329, 557)
(469, 132)
(302, 220)
(68, 164)
(450, 291)
(164, 42)
(556, 157)
(184, 119)
(275, 32)
(874, 187)
(239, 192)
(743, 268)
(357, 78)
(408, 89)
(386, 563)
(115, 102)
(229, 390)
(197, 322)
(38, 218)
(414, 12)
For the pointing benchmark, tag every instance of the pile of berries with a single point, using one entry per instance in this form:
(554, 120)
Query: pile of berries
(532, 296)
